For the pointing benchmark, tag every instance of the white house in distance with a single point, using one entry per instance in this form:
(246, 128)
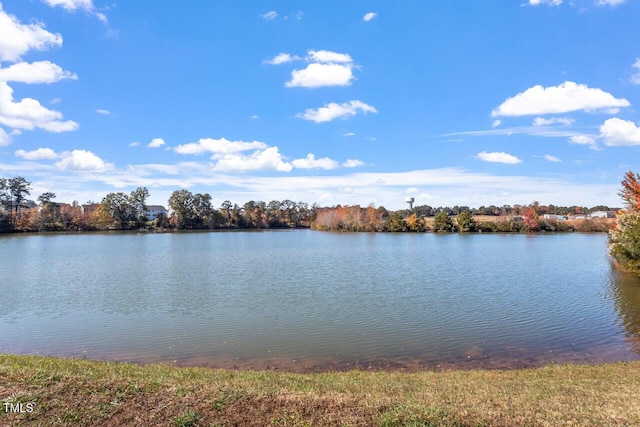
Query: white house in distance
(153, 211)
(603, 214)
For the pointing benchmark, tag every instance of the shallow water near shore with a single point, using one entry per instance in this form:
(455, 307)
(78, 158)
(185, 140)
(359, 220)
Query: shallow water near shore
(311, 301)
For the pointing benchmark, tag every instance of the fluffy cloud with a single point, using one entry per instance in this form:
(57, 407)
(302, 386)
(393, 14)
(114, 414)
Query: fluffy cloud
(281, 58)
(218, 146)
(319, 75)
(583, 140)
(5, 138)
(35, 72)
(73, 5)
(270, 16)
(327, 56)
(635, 79)
(39, 154)
(17, 39)
(310, 162)
(267, 159)
(156, 143)
(540, 121)
(352, 163)
(82, 161)
(28, 113)
(498, 157)
(327, 68)
(333, 111)
(564, 98)
(551, 158)
(620, 132)
(369, 16)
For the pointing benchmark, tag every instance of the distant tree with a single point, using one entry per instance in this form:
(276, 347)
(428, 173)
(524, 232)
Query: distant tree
(465, 221)
(416, 223)
(182, 204)
(397, 223)
(118, 206)
(531, 218)
(443, 223)
(138, 203)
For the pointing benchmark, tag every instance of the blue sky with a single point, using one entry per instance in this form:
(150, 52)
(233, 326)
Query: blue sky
(452, 103)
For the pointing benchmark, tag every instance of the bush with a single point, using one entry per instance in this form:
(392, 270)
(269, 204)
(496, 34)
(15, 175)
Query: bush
(624, 242)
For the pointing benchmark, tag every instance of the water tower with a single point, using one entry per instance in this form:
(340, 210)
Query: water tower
(410, 201)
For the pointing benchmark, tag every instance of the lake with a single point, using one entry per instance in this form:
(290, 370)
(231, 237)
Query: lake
(305, 301)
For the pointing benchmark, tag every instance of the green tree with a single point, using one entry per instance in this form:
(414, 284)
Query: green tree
(443, 223)
(118, 206)
(138, 202)
(181, 203)
(466, 222)
(624, 239)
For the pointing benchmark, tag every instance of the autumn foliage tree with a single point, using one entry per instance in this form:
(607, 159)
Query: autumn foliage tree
(630, 192)
(624, 239)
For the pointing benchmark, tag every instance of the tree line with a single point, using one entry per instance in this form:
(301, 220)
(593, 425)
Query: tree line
(129, 211)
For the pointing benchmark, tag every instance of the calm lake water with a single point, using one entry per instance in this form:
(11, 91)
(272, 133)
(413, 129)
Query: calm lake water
(304, 300)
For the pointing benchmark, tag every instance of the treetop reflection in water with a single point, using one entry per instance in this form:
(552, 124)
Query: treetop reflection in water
(304, 300)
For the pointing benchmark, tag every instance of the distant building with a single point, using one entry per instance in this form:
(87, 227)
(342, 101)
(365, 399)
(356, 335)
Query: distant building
(554, 217)
(603, 214)
(154, 211)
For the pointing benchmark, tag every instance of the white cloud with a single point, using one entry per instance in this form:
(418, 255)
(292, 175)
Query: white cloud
(498, 157)
(134, 144)
(540, 121)
(333, 111)
(103, 112)
(55, 101)
(369, 16)
(496, 123)
(5, 138)
(255, 117)
(28, 113)
(35, 72)
(267, 159)
(310, 162)
(83, 161)
(218, 146)
(611, 3)
(327, 56)
(551, 158)
(620, 132)
(74, 5)
(282, 58)
(349, 134)
(156, 143)
(352, 163)
(549, 2)
(39, 154)
(270, 16)
(564, 98)
(319, 75)
(17, 39)
(583, 140)
(635, 79)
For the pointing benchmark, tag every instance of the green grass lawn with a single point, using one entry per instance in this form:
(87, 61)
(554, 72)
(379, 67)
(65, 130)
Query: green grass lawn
(84, 392)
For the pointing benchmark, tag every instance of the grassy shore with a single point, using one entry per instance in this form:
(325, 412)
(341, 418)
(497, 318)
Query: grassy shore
(83, 392)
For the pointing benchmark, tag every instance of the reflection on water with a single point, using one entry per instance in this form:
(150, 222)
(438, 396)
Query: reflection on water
(625, 290)
(305, 301)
